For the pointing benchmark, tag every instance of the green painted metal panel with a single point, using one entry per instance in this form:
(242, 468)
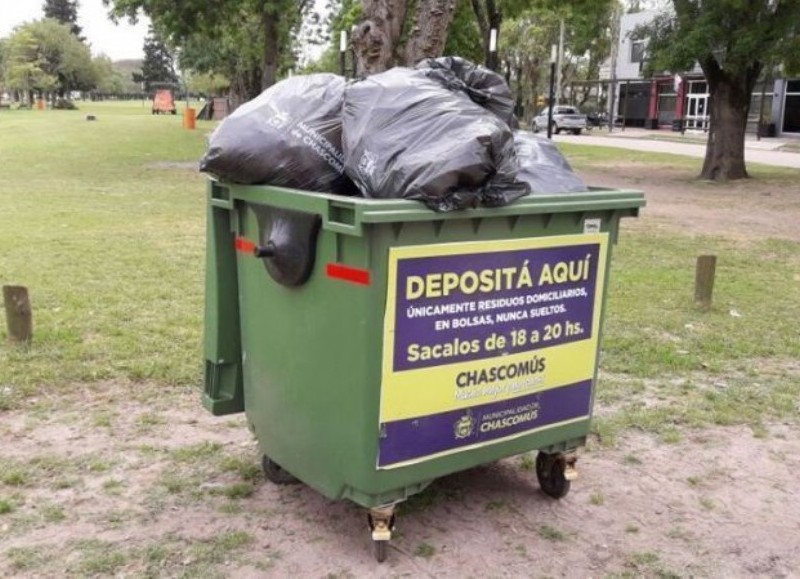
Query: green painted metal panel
(223, 392)
(311, 356)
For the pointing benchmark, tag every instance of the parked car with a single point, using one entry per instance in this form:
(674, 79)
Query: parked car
(566, 118)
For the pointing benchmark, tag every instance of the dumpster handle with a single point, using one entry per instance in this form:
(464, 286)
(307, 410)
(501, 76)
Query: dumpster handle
(267, 250)
(287, 243)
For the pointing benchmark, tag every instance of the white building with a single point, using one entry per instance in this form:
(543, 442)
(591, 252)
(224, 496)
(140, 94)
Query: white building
(680, 99)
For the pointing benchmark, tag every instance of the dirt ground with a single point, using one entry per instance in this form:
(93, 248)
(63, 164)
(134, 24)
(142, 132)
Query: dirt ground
(738, 210)
(104, 481)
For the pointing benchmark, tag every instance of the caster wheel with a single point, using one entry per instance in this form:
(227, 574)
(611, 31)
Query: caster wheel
(381, 525)
(275, 474)
(550, 472)
(380, 548)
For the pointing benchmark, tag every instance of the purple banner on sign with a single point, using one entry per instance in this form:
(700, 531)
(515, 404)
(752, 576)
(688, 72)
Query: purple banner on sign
(405, 440)
(475, 306)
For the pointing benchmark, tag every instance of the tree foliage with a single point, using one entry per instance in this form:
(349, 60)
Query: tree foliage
(588, 41)
(24, 68)
(525, 47)
(733, 35)
(343, 15)
(158, 65)
(126, 69)
(207, 84)
(464, 38)
(732, 41)
(65, 12)
(237, 55)
(108, 80)
(3, 52)
(489, 14)
(492, 13)
(525, 42)
(243, 39)
(44, 56)
(337, 16)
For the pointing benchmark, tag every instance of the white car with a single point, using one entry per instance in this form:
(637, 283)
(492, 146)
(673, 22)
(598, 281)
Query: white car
(565, 118)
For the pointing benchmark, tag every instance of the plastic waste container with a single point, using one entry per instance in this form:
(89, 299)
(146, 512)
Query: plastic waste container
(375, 345)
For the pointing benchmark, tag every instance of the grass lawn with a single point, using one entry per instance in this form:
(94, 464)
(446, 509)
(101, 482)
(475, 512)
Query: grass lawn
(668, 368)
(104, 222)
(588, 157)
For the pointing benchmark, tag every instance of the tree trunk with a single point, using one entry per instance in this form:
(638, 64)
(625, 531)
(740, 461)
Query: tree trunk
(532, 69)
(725, 148)
(592, 72)
(245, 86)
(428, 36)
(376, 40)
(488, 16)
(519, 106)
(251, 84)
(483, 21)
(729, 102)
(270, 21)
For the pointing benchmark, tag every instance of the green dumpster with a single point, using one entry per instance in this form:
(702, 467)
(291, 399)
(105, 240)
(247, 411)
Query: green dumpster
(375, 345)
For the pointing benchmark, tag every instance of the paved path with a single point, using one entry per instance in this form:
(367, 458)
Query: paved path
(755, 151)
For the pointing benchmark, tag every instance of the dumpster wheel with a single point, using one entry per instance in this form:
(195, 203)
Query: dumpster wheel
(275, 473)
(555, 471)
(381, 524)
(379, 548)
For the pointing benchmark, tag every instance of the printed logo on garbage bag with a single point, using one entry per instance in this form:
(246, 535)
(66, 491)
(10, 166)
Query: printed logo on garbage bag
(279, 120)
(367, 164)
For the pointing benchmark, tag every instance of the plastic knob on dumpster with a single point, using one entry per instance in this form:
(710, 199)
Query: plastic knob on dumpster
(391, 345)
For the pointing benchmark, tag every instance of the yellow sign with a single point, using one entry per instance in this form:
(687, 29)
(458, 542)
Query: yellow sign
(487, 340)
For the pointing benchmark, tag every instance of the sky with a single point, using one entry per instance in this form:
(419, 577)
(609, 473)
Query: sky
(119, 42)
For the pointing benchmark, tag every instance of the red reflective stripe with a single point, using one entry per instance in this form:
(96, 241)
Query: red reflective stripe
(351, 274)
(245, 245)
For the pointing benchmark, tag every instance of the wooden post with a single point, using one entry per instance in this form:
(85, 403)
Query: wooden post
(704, 281)
(18, 313)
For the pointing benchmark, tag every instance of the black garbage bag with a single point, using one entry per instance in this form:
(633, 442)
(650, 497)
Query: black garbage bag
(484, 86)
(289, 136)
(407, 136)
(543, 167)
